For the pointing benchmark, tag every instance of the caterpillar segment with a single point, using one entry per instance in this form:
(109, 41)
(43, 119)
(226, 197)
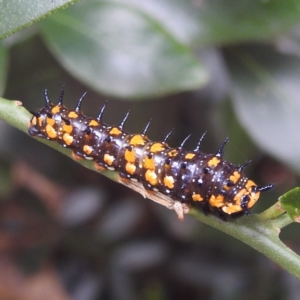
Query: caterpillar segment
(174, 177)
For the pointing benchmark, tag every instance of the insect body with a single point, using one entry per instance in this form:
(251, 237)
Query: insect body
(174, 177)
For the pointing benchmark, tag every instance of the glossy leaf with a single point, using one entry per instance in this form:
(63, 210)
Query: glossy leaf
(290, 201)
(265, 91)
(16, 15)
(233, 21)
(122, 51)
(215, 21)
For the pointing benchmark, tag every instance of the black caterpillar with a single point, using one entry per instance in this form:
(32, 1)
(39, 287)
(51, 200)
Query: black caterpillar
(174, 177)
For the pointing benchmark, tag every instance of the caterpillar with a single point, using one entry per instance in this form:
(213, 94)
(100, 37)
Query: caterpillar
(174, 177)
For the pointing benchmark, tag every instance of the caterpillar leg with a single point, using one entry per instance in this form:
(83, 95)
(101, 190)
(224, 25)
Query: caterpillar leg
(180, 208)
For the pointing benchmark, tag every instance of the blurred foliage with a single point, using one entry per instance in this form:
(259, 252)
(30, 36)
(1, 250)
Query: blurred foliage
(229, 67)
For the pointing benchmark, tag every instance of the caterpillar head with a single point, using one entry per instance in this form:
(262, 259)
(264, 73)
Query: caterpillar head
(245, 198)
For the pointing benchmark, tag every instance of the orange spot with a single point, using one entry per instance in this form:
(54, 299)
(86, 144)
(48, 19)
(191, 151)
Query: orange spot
(75, 156)
(151, 177)
(130, 155)
(254, 196)
(197, 197)
(169, 182)
(50, 121)
(33, 121)
(235, 177)
(137, 140)
(236, 207)
(238, 196)
(172, 153)
(93, 123)
(190, 156)
(40, 120)
(67, 128)
(231, 208)
(157, 147)
(108, 159)
(149, 163)
(115, 131)
(167, 166)
(55, 109)
(249, 185)
(51, 133)
(216, 201)
(130, 168)
(73, 115)
(253, 199)
(213, 162)
(68, 139)
(87, 149)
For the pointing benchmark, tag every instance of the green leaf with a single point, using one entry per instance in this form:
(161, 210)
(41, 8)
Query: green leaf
(230, 21)
(120, 50)
(219, 22)
(290, 201)
(16, 15)
(3, 67)
(265, 91)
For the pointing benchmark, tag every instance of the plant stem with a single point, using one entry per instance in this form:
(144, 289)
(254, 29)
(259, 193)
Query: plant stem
(261, 235)
(272, 212)
(261, 232)
(282, 221)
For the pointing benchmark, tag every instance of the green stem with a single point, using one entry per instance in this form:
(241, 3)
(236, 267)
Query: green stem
(261, 232)
(272, 212)
(282, 221)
